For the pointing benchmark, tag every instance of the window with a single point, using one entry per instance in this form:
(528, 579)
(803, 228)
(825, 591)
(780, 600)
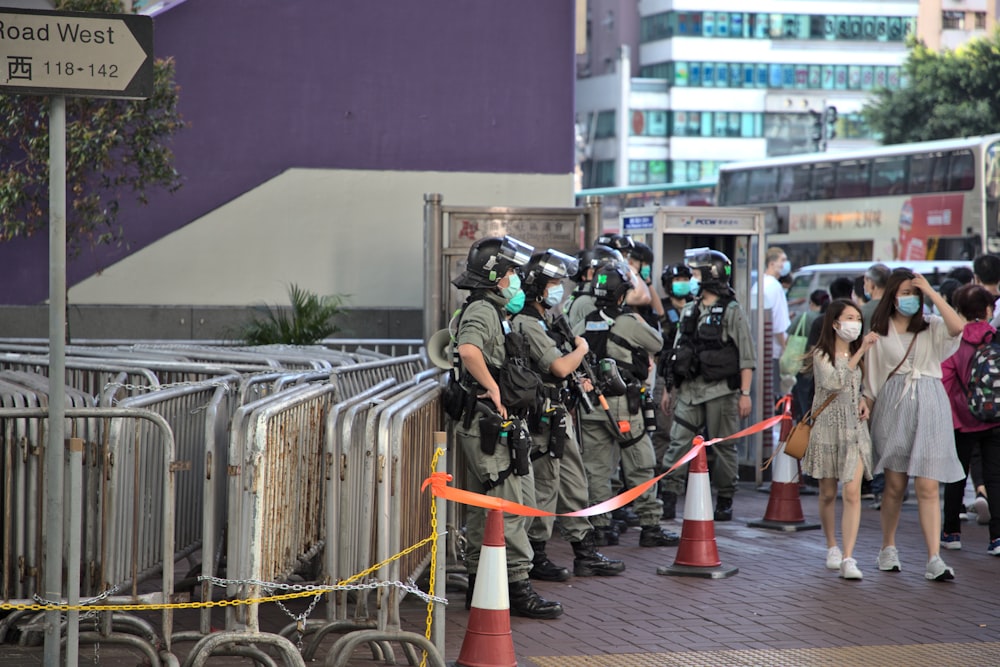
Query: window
(762, 186)
(823, 181)
(795, 182)
(980, 20)
(605, 125)
(953, 20)
(963, 171)
(637, 172)
(733, 188)
(598, 173)
(852, 178)
(888, 176)
(921, 167)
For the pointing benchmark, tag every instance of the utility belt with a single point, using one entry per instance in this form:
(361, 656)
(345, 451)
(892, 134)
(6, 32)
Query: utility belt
(560, 395)
(514, 434)
(555, 417)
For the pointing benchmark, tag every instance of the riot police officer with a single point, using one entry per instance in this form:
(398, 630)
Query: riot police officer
(560, 480)
(491, 430)
(675, 279)
(711, 365)
(581, 302)
(624, 338)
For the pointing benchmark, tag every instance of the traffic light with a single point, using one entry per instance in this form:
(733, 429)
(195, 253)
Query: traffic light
(830, 118)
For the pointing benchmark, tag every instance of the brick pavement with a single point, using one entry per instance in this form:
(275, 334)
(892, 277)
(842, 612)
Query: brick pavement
(782, 608)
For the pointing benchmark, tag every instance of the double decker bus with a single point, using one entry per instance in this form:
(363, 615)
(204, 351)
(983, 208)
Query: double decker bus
(908, 202)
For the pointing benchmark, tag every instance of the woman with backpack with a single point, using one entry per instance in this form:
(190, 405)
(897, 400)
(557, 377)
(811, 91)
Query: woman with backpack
(910, 415)
(975, 304)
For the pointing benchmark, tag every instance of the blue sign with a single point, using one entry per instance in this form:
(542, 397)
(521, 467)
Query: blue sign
(638, 222)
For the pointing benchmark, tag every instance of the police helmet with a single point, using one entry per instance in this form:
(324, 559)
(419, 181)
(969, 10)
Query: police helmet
(489, 261)
(716, 269)
(641, 253)
(610, 283)
(591, 258)
(620, 242)
(544, 267)
(672, 271)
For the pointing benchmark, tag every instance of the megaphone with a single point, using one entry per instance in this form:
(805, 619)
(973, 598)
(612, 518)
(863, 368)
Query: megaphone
(439, 349)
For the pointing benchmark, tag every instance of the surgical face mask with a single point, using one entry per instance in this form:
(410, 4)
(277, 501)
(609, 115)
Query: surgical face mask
(849, 330)
(645, 272)
(694, 286)
(516, 303)
(512, 288)
(554, 296)
(680, 288)
(908, 305)
(786, 268)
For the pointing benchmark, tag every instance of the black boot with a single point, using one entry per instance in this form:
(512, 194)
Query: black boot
(590, 562)
(723, 509)
(626, 514)
(468, 591)
(524, 601)
(605, 536)
(669, 499)
(542, 568)
(653, 536)
(620, 526)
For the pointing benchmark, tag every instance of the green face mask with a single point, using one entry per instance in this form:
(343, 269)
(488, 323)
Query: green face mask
(516, 303)
(645, 272)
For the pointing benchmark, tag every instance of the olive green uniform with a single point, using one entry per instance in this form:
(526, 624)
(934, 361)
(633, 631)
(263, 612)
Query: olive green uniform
(481, 326)
(602, 446)
(560, 483)
(713, 405)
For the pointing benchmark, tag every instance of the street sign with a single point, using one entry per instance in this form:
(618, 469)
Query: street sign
(76, 53)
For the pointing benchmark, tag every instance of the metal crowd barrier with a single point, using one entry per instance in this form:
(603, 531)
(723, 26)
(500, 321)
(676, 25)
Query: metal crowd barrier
(299, 466)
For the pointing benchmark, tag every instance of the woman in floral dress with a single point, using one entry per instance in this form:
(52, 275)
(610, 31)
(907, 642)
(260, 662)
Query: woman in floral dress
(840, 449)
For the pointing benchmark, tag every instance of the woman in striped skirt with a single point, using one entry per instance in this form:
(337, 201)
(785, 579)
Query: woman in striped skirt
(910, 412)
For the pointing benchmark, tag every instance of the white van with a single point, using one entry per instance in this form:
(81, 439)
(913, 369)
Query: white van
(819, 276)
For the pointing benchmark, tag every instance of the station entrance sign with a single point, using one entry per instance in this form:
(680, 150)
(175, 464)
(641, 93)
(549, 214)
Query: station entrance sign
(76, 53)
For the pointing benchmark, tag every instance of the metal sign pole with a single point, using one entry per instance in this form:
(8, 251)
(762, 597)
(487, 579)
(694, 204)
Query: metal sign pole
(53, 537)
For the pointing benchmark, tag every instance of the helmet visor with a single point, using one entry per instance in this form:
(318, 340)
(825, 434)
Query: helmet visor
(555, 264)
(516, 252)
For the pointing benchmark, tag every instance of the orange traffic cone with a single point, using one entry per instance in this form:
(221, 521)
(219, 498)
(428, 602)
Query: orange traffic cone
(488, 641)
(784, 507)
(697, 554)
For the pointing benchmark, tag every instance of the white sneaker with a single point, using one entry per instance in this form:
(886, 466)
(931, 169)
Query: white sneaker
(982, 509)
(834, 556)
(888, 560)
(938, 571)
(849, 569)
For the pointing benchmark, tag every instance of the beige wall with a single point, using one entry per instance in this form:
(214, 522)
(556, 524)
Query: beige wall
(358, 233)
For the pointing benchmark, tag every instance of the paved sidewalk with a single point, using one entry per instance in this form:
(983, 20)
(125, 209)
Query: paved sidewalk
(782, 608)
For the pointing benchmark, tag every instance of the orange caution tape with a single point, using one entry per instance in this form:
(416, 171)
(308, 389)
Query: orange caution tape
(438, 482)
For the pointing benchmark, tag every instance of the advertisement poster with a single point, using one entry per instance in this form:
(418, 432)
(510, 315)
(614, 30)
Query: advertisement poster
(924, 219)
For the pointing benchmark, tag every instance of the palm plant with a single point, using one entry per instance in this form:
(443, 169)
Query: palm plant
(308, 321)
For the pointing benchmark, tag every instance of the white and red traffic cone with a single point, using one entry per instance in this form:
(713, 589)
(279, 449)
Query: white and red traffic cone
(697, 553)
(488, 640)
(784, 507)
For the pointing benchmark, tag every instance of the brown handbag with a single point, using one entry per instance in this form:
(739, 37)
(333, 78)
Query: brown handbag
(798, 439)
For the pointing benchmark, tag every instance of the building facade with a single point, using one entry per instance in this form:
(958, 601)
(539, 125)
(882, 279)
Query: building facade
(717, 83)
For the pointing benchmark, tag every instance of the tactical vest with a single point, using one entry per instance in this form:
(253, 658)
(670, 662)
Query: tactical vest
(598, 331)
(519, 384)
(712, 357)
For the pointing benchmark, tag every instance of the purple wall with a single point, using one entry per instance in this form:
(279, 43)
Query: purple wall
(445, 85)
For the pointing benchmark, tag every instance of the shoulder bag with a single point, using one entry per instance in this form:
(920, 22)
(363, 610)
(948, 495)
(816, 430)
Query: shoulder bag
(795, 349)
(798, 439)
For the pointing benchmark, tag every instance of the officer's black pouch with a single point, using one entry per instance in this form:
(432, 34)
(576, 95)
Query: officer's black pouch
(633, 395)
(520, 449)
(489, 433)
(557, 433)
(453, 398)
